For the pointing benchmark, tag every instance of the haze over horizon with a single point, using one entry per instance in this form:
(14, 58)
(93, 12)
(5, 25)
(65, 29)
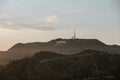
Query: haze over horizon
(24, 21)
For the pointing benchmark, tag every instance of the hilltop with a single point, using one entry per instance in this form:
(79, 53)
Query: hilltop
(65, 46)
(62, 46)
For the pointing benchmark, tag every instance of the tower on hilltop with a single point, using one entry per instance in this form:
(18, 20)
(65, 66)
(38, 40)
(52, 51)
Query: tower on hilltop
(74, 36)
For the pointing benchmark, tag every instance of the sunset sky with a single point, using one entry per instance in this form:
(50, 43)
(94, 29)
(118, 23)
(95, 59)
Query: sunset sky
(24, 21)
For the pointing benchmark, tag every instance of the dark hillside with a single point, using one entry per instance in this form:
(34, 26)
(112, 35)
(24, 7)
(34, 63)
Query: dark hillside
(87, 65)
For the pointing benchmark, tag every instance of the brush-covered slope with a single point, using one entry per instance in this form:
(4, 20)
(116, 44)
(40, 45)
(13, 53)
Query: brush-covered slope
(89, 65)
(30, 68)
(95, 65)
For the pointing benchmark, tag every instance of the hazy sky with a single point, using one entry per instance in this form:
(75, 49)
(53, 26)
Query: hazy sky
(24, 21)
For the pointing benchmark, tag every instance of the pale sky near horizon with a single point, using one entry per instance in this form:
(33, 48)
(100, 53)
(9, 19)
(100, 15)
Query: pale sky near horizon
(23, 21)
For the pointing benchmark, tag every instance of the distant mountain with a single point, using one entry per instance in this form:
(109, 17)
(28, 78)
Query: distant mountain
(86, 65)
(62, 46)
(65, 46)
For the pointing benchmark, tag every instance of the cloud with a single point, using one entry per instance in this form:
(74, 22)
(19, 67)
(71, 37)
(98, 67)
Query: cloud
(52, 18)
(15, 25)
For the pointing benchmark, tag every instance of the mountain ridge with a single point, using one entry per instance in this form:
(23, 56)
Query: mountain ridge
(62, 46)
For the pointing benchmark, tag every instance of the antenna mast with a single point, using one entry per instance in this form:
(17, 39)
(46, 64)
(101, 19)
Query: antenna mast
(74, 36)
(74, 33)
